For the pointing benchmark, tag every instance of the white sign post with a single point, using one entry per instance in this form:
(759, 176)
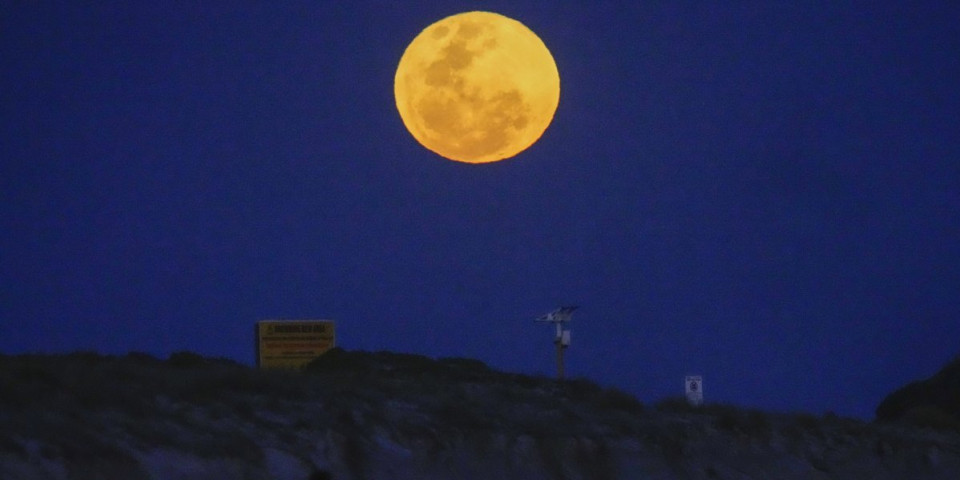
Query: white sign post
(694, 389)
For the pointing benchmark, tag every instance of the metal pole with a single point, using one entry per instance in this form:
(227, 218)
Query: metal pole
(558, 317)
(559, 359)
(559, 343)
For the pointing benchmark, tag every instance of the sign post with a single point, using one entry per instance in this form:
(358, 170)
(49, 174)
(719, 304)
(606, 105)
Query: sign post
(292, 343)
(694, 389)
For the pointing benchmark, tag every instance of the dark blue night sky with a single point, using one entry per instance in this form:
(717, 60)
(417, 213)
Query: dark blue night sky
(762, 193)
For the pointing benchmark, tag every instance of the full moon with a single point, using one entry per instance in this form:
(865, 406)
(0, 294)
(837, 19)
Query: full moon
(477, 87)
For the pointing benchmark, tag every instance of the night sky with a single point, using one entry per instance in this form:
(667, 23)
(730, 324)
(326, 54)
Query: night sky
(763, 193)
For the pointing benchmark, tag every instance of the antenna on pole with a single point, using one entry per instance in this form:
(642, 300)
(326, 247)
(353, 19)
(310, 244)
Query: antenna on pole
(558, 317)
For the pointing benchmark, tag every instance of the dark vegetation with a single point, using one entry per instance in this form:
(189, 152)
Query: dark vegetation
(215, 407)
(163, 401)
(466, 394)
(84, 405)
(932, 403)
(63, 400)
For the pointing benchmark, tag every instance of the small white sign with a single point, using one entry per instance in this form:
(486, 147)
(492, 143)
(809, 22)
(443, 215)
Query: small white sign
(694, 390)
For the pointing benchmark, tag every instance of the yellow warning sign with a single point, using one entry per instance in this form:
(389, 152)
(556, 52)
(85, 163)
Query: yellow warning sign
(292, 343)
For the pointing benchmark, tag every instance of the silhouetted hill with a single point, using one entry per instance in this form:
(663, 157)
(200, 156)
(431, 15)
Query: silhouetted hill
(361, 415)
(934, 402)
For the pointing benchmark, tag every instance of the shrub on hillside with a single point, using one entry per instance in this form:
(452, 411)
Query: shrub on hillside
(185, 360)
(338, 360)
(616, 399)
(941, 391)
(927, 416)
(674, 405)
(141, 358)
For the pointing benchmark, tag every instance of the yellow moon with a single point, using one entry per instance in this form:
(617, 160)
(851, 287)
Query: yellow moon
(477, 87)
